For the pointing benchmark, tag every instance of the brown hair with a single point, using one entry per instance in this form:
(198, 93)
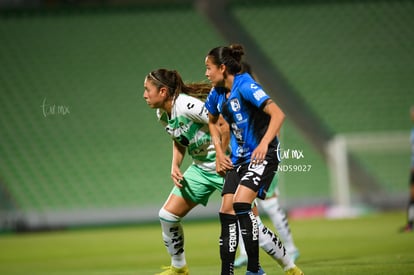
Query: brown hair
(172, 80)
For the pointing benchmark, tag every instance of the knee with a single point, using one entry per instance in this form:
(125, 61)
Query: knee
(227, 204)
(242, 208)
(167, 216)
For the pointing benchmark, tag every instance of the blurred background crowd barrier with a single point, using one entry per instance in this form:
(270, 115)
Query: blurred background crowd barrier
(79, 146)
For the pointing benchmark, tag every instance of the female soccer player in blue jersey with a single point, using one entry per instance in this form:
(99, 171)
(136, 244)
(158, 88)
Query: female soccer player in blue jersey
(255, 120)
(273, 210)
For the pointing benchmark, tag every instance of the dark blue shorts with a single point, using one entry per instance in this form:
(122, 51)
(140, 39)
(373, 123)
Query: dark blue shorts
(256, 177)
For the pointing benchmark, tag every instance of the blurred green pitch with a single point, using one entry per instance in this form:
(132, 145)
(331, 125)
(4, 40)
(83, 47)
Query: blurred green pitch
(365, 245)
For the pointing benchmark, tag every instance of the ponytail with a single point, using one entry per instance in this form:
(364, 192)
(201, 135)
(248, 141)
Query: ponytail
(229, 56)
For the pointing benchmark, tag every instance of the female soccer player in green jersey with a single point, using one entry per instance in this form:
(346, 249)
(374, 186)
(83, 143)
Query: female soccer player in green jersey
(185, 120)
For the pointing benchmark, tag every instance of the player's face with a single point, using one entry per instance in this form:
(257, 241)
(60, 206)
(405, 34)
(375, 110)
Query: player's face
(154, 97)
(214, 73)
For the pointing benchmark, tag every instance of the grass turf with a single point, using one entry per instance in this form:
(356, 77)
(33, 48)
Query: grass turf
(365, 245)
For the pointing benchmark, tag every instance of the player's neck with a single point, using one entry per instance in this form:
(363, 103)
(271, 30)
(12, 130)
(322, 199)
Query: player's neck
(168, 107)
(228, 82)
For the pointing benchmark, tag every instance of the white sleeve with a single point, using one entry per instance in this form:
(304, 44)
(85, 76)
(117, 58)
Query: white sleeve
(193, 108)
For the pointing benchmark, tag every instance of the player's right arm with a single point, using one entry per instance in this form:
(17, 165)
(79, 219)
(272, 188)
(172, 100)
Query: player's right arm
(223, 162)
(224, 133)
(215, 120)
(177, 159)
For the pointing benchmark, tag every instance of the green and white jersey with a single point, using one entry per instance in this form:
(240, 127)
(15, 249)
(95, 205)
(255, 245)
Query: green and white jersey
(188, 125)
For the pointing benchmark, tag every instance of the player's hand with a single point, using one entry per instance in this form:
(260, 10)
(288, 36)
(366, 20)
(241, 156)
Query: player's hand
(177, 176)
(223, 163)
(259, 154)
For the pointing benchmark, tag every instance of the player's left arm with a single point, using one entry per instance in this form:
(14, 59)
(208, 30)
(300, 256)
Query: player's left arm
(277, 117)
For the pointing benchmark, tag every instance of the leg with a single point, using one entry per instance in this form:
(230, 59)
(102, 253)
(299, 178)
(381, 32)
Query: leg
(229, 235)
(197, 187)
(170, 216)
(273, 246)
(242, 202)
(410, 214)
(278, 216)
(410, 208)
(242, 258)
(280, 222)
(255, 182)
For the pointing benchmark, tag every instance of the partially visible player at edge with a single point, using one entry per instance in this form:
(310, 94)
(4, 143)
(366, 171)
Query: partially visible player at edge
(410, 209)
(255, 120)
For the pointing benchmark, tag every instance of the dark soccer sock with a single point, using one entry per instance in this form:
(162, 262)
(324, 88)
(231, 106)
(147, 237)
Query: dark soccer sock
(229, 239)
(410, 214)
(250, 233)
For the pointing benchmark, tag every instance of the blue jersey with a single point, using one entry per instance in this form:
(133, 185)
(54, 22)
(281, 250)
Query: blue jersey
(243, 111)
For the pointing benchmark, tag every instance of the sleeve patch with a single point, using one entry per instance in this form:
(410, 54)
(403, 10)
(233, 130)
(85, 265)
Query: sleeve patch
(259, 94)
